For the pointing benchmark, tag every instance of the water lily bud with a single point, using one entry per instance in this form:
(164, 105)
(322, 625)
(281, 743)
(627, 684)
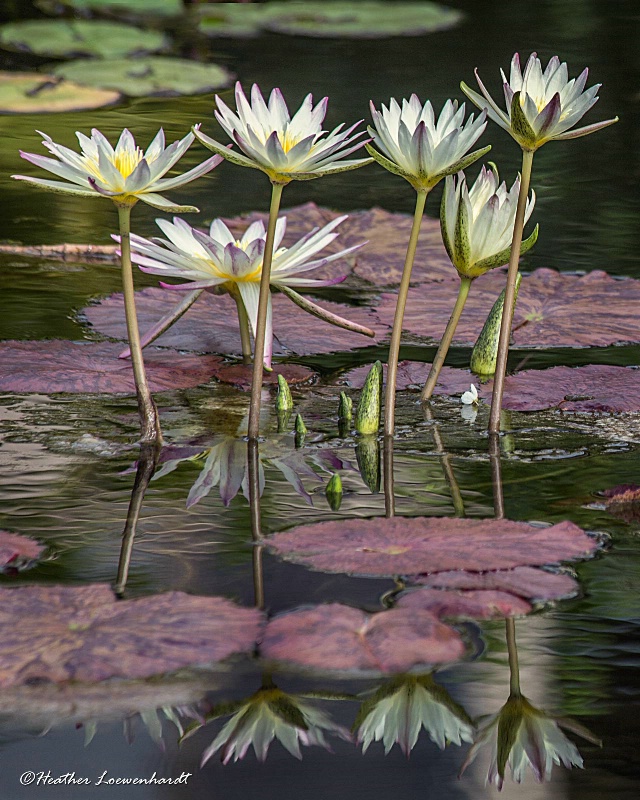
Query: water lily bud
(368, 414)
(284, 401)
(333, 492)
(301, 428)
(368, 458)
(485, 351)
(345, 407)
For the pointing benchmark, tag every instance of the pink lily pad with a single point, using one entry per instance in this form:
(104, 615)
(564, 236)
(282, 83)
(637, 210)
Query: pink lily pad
(527, 582)
(211, 324)
(240, 375)
(553, 309)
(413, 374)
(339, 638)
(410, 546)
(82, 633)
(60, 366)
(17, 550)
(474, 604)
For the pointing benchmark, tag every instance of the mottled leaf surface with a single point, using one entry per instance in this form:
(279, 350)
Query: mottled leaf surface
(527, 582)
(53, 366)
(15, 550)
(409, 546)
(456, 604)
(413, 374)
(345, 639)
(82, 633)
(34, 93)
(240, 375)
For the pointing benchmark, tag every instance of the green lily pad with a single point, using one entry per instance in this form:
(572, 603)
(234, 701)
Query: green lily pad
(30, 93)
(143, 77)
(165, 8)
(71, 38)
(236, 20)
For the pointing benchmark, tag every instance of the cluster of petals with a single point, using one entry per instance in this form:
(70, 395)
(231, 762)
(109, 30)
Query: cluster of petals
(286, 148)
(477, 223)
(219, 259)
(420, 148)
(540, 105)
(125, 173)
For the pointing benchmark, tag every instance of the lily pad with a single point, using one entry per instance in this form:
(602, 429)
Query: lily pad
(233, 20)
(30, 93)
(403, 546)
(82, 633)
(343, 639)
(240, 375)
(527, 582)
(361, 20)
(413, 374)
(454, 604)
(553, 309)
(147, 77)
(211, 324)
(72, 38)
(16, 551)
(61, 366)
(164, 8)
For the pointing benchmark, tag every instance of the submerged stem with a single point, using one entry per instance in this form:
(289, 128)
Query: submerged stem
(512, 650)
(149, 420)
(447, 338)
(396, 335)
(510, 293)
(243, 322)
(258, 356)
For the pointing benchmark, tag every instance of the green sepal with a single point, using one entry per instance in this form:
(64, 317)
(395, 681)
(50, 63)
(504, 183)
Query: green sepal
(388, 164)
(460, 165)
(461, 246)
(502, 258)
(367, 419)
(510, 720)
(284, 401)
(522, 130)
(485, 351)
(333, 492)
(368, 459)
(443, 226)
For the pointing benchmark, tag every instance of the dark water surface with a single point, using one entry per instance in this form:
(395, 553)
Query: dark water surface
(62, 459)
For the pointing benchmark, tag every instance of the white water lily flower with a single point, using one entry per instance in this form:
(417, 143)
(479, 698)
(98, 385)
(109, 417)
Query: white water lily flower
(477, 223)
(540, 105)
(399, 710)
(125, 173)
(470, 398)
(220, 260)
(286, 148)
(420, 148)
(520, 736)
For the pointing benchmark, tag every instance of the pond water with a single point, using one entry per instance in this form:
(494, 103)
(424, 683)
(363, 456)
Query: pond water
(65, 460)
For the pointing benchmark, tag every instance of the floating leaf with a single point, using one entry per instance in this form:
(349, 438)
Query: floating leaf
(454, 604)
(82, 633)
(240, 375)
(145, 77)
(527, 582)
(33, 93)
(412, 375)
(61, 366)
(339, 638)
(236, 20)
(165, 8)
(211, 324)
(409, 546)
(17, 550)
(553, 309)
(72, 38)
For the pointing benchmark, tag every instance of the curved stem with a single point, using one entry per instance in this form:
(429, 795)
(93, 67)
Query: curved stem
(258, 356)
(447, 338)
(243, 322)
(149, 420)
(396, 335)
(509, 297)
(512, 650)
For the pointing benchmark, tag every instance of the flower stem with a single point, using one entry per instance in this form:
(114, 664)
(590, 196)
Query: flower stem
(149, 420)
(396, 335)
(445, 342)
(243, 322)
(258, 356)
(510, 293)
(512, 650)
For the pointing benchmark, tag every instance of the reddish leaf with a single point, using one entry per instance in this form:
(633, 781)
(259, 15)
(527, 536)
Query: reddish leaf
(60, 366)
(239, 375)
(60, 633)
(527, 582)
(409, 546)
(452, 604)
(15, 550)
(623, 501)
(413, 374)
(337, 637)
(553, 309)
(211, 324)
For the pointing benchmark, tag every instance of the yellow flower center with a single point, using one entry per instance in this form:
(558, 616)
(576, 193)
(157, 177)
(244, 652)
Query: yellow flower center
(127, 161)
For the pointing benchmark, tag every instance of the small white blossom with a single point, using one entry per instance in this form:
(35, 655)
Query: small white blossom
(470, 397)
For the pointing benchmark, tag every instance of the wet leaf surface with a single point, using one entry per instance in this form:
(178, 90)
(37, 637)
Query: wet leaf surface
(340, 638)
(127, 7)
(413, 374)
(211, 324)
(61, 633)
(69, 38)
(147, 77)
(409, 546)
(53, 366)
(455, 604)
(31, 93)
(16, 550)
(240, 375)
(553, 309)
(527, 582)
